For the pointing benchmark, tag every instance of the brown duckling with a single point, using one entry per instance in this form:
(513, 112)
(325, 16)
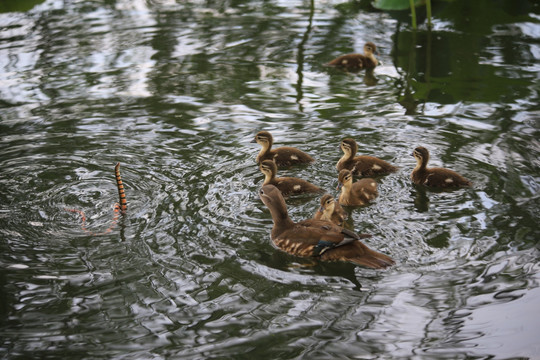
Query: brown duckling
(434, 177)
(362, 165)
(283, 156)
(317, 238)
(355, 62)
(330, 210)
(287, 185)
(356, 194)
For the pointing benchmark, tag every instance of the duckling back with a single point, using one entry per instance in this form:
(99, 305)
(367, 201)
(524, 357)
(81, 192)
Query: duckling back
(358, 253)
(434, 177)
(352, 62)
(282, 156)
(287, 156)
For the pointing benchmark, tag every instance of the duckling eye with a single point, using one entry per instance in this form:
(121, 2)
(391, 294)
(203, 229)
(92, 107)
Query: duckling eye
(261, 192)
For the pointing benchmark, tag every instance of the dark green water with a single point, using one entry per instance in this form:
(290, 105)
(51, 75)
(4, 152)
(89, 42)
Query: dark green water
(175, 91)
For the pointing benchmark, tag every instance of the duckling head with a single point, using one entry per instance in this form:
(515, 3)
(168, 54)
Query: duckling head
(421, 154)
(263, 138)
(370, 47)
(349, 146)
(269, 169)
(345, 178)
(327, 204)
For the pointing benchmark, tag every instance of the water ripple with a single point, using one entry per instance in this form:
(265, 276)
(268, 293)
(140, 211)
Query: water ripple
(175, 92)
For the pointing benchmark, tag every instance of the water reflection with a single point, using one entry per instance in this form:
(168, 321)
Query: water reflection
(421, 200)
(430, 59)
(300, 56)
(175, 91)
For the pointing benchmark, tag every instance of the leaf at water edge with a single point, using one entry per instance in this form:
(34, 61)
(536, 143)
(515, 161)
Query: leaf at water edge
(395, 4)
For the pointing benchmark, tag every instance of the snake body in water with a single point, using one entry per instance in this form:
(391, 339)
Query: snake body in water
(119, 207)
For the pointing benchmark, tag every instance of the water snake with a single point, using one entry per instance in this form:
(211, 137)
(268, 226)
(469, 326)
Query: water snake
(119, 207)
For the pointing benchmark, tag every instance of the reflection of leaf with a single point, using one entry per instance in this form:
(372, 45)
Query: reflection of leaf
(459, 87)
(395, 4)
(352, 7)
(437, 70)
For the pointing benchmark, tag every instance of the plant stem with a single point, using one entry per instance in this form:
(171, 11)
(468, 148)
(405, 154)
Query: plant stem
(413, 13)
(428, 9)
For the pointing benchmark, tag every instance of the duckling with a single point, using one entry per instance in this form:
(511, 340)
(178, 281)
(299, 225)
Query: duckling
(356, 62)
(283, 156)
(317, 238)
(330, 210)
(356, 194)
(287, 185)
(434, 177)
(362, 165)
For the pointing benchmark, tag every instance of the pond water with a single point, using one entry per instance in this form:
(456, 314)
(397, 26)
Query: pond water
(175, 91)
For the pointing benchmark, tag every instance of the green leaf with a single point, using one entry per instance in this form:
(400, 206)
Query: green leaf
(18, 5)
(395, 4)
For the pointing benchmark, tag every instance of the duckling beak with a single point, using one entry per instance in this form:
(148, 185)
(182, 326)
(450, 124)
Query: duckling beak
(339, 185)
(253, 141)
(321, 209)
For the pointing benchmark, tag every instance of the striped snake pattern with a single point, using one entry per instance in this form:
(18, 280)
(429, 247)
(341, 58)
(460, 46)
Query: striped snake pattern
(119, 207)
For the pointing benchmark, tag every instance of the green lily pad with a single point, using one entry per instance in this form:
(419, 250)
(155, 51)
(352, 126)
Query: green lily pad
(395, 4)
(18, 5)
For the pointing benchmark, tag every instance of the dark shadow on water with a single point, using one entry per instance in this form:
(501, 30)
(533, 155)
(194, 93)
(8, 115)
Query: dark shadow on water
(122, 225)
(300, 57)
(438, 238)
(367, 75)
(448, 67)
(421, 200)
(344, 270)
(369, 78)
(289, 263)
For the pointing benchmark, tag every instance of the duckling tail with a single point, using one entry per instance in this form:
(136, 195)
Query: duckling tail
(358, 253)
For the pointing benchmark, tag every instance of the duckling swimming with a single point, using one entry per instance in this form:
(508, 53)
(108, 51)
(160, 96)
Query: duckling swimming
(282, 156)
(287, 185)
(317, 238)
(434, 177)
(356, 62)
(356, 194)
(362, 165)
(330, 210)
